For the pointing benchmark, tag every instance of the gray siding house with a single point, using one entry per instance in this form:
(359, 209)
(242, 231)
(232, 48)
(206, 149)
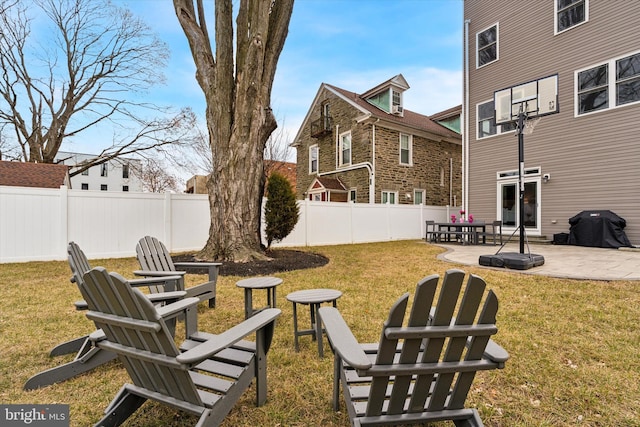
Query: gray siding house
(369, 148)
(587, 156)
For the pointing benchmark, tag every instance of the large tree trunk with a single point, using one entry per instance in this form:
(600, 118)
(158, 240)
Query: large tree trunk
(239, 117)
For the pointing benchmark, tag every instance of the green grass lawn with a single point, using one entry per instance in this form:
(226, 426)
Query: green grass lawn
(574, 345)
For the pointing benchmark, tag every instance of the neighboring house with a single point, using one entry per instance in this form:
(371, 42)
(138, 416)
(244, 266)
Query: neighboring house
(39, 175)
(368, 148)
(587, 156)
(197, 184)
(114, 175)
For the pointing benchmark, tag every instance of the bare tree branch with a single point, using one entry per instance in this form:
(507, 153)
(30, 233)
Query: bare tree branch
(97, 57)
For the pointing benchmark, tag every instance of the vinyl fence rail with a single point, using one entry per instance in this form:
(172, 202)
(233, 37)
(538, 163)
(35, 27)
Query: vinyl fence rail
(36, 224)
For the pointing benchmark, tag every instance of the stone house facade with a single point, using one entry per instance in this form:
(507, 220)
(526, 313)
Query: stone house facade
(367, 148)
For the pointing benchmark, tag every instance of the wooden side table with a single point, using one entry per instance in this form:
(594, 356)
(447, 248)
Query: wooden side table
(313, 298)
(266, 282)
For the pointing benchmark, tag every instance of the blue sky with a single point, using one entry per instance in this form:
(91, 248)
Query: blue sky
(352, 44)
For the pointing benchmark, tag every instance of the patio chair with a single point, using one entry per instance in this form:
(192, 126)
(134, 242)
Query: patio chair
(205, 379)
(496, 232)
(88, 356)
(155, 261)
(407, 378)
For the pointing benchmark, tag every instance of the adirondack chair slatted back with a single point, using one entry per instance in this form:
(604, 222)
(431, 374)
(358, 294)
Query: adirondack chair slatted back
(441, 350)
(142, 340)
(78, 262)
(154, 254)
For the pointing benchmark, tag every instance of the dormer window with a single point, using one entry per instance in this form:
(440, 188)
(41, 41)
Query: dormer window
(388, 95)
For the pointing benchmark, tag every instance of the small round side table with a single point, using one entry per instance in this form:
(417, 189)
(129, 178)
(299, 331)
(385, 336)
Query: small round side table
(313, 298)
(266, 282)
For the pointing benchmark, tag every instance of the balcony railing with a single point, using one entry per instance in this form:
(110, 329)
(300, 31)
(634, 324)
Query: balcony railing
(321, 127)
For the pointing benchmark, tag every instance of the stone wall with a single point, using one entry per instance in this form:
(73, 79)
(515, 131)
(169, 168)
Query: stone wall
(430, 170)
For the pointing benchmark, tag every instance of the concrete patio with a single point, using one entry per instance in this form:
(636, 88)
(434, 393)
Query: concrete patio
(565, 261)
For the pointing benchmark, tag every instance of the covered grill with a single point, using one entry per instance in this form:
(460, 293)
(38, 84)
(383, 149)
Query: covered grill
(602, 229)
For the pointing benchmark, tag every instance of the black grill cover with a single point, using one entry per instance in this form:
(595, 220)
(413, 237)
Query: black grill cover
(601, 229)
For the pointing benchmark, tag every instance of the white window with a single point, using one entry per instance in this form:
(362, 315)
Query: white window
(125, 170)
(85, 186)
(103, 187)
(609, 85)
(570, 13)
(103, 169)
(85, 172)
(352, 195)
(406, 149)
(389, 197)
(418, 197)
(313, 159)
(487, 43)
(487, 123)
(396, 99)
(345, 149)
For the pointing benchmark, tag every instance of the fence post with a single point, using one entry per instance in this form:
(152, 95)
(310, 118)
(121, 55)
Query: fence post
(168, 225)
(64, 221)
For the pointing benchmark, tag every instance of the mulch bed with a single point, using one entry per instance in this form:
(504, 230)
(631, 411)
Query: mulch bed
(280, 260)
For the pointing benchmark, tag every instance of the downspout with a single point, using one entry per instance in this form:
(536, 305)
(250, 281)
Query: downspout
(372, 180)
(451, 180)
(465, 132)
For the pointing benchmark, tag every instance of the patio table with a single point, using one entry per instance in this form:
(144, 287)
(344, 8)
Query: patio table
(467, 231)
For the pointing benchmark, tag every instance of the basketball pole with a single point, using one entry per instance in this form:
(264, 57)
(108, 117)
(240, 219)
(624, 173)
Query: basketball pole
(521, 116)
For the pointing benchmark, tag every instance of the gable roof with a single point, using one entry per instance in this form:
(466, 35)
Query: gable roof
(448, 113)
(397, 81)
(409, 118)
(27, 174)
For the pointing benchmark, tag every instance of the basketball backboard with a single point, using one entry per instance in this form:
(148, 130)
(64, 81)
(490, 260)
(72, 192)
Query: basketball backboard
(535, 98)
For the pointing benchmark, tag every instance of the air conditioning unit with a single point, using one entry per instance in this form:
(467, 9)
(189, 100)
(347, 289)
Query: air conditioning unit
(396, 109)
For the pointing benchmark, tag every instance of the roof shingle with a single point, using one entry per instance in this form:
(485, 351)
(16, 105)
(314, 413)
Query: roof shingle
(26, 174)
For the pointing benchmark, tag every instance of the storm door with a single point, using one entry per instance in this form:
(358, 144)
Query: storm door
(508, 209)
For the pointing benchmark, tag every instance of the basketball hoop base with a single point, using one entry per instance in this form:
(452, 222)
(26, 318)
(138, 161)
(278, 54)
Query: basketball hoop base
(512, 260)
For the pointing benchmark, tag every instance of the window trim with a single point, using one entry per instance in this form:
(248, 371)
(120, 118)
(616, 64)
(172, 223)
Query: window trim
(612, 86)
(125, 171)
(313, 148)
(409, 149)
(341, 162)
(421, 191)
(104, 170)
(389, 192)
(555, 18)
(497, 45)
(353, 195)
(499, 130)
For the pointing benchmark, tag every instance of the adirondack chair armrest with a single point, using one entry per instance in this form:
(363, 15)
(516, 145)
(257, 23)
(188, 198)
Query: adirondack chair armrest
(156, 273)
(169, 310)
(229, 337)
(157, 279)
(342, 339)
(81, 305)
(167, 297)
(197, 264)
(97, 336)
(213, 267)
(496, 353)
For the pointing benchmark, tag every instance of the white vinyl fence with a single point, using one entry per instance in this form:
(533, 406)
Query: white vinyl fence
(37, 224)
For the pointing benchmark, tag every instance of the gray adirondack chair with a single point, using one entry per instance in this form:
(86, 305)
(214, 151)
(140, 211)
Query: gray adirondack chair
(407, 377)
(155, 261)
(205, 379)
(87, 355)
